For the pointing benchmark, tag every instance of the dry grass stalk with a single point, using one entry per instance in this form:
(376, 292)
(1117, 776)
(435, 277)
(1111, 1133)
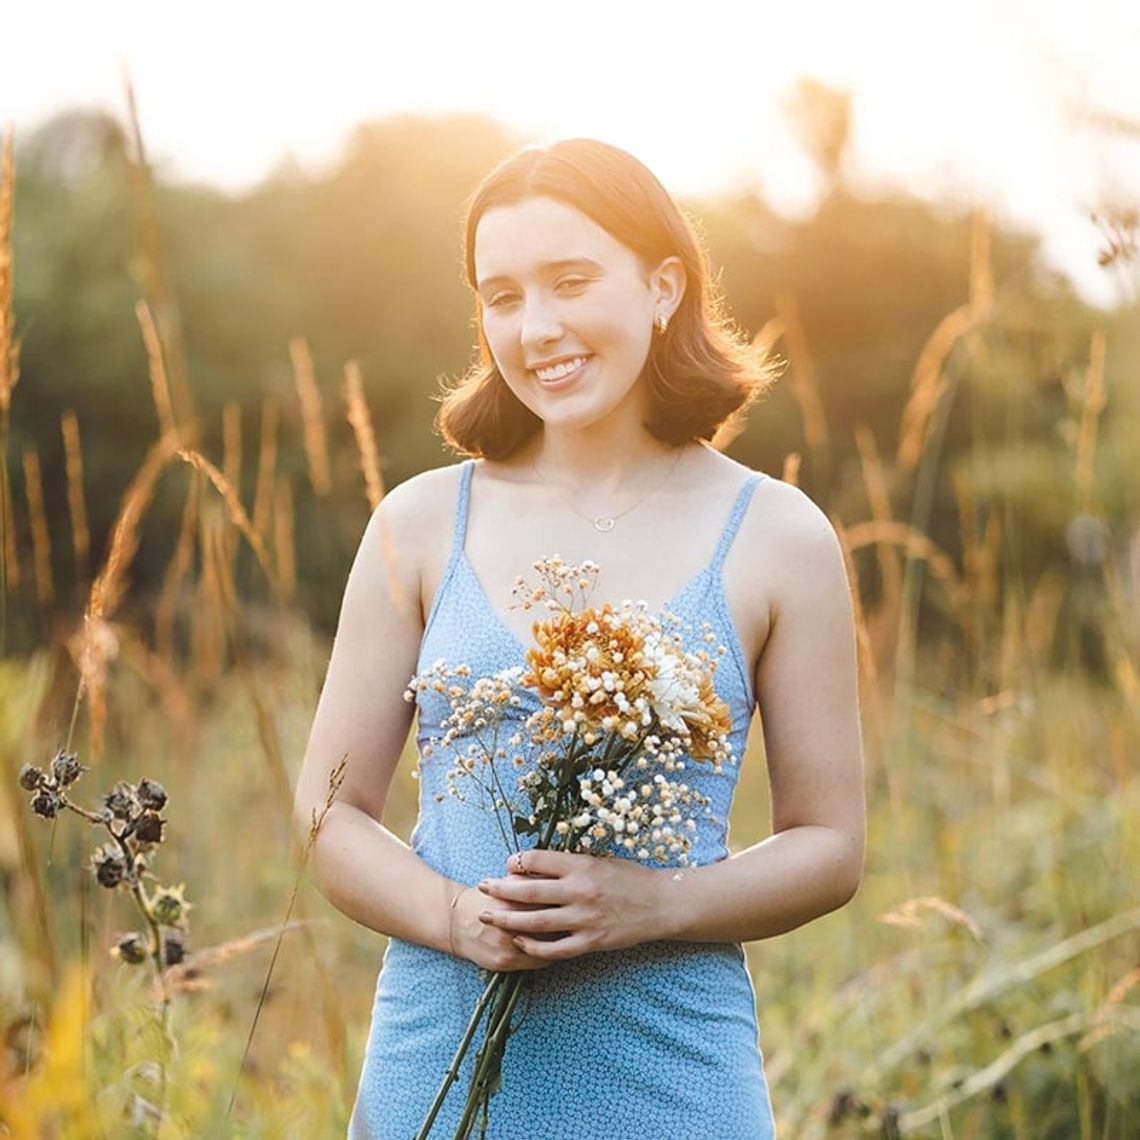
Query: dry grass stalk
(879, 499)
(284, 549)
(908, 914)
(96, 644)
(231, 442)
(914, 544)
(981, 267)
(233, 505)
(928, 383)
(361, 423)
(312, 416)
(177, 570)
(803, 380)
(156, 368)
(11, 557)
(1041, 615)
(266, 466)
(76, 504)
(41, 537)
(157, 672)
(9, 347)
(790, 472)
(1092, 404)
(185, 977)
(147, 265)
(335, 780)
(985, 1079)
(1103, 1024)
(207, 634)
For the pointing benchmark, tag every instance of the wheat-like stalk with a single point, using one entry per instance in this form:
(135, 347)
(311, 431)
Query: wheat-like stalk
(76, 503)
(312, 416)
(790, 470)
(805, 387)
(41, 536)
(361, 423)
(177, 570)
(909, 913)
(9, 347)
(232, 456)
(10, 556)
(266, 466)
(156, 368)
(234, 508)
(284, 548)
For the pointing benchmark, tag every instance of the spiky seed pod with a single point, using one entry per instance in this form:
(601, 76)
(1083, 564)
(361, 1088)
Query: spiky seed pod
(121, 801)
(174, 948)
(151, 795)
(46, 803)
(30, 777)
(168, 906)
(132, 948)
(108, 866)
(65, 768)
(148, 827)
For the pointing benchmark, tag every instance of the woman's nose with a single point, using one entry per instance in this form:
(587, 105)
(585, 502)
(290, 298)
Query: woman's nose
(540, 323)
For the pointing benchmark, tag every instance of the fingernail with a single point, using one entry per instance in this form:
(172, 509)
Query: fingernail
(517, 940)
(485, 885)
(485, 916)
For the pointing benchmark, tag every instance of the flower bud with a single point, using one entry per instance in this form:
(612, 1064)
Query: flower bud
(30, 777)
(168, 906)
(109, 868)
(121, 801)
(65, 768)
(151, 795)
(131, 948)
(46, 803)
(173, 948)
(148, 827)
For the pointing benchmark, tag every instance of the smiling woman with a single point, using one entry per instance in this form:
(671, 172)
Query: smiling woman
(605, 365)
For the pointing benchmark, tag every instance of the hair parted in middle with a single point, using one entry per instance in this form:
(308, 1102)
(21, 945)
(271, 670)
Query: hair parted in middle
(702, 373)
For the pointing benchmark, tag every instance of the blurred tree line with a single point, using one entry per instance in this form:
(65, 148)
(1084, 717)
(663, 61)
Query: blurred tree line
(363, 260)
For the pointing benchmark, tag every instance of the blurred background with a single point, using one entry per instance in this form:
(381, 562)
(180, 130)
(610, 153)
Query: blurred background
(237, 231)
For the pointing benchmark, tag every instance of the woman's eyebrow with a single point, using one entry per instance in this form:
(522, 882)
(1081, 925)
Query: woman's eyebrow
(548, 267)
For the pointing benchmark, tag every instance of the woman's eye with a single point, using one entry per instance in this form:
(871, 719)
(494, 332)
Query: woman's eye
(498, 300)
(573, 282)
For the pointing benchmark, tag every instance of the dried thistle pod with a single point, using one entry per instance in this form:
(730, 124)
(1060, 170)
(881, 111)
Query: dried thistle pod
(132, 949)
(168, 905)
(151, 795)
(108, 866)
(31, 777)
(121, 802)
(174, 948)
(148, 827)
(65, 768)
(46, 803)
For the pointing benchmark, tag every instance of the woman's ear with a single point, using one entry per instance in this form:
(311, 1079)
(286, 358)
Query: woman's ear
(668, 283)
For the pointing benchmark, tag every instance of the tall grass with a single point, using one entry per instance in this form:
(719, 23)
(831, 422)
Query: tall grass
(983, 984)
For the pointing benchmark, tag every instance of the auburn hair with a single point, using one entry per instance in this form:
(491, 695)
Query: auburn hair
(702, 373)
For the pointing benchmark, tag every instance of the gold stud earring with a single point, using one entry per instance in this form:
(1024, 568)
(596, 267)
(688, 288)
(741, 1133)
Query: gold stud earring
(661, 323)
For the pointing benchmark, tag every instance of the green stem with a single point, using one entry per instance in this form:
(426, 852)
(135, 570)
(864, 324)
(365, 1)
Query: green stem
(491, 1052)
(453, 1070)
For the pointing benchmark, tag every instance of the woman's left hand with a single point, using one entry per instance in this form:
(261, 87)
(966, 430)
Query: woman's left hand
(576, 903)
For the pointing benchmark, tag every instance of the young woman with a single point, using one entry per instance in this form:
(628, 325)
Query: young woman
(605, 367)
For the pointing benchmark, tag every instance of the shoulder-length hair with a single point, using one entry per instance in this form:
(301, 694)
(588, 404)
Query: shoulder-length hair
(702, 373)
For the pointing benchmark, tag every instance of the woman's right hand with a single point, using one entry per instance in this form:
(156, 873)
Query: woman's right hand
(485, 945)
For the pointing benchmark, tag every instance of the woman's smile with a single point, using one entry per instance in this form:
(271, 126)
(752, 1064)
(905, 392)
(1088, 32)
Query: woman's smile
(561, 376)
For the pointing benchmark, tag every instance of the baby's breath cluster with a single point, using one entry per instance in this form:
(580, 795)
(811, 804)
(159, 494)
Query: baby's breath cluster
(131, 816)
(622, 707)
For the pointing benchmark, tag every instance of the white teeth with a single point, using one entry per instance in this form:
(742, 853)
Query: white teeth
(560, 370)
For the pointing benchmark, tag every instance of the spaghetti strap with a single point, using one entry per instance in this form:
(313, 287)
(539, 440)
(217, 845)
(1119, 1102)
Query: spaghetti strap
(462, 505)
(734, 519)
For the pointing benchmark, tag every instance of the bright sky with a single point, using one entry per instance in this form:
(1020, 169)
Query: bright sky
(991, 100)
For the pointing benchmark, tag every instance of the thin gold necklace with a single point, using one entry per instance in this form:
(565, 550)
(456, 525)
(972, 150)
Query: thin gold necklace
(606, 523)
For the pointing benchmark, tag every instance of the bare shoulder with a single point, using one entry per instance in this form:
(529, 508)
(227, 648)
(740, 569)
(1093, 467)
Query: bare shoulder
(790, 535)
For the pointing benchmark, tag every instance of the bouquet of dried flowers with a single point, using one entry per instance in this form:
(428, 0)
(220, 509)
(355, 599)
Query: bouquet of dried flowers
(622, 707)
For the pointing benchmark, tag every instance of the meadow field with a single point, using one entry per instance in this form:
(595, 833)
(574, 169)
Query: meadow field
(983, 984)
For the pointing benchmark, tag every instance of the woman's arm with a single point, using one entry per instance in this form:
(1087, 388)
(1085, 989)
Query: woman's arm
(807, 690)
(360, 866)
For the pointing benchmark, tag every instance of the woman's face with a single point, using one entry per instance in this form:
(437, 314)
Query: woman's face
(567, 309)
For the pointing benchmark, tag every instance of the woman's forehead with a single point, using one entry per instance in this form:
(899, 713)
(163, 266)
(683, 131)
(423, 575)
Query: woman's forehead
(537, 234)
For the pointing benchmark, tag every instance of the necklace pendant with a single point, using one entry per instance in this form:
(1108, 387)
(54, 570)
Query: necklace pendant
(603, 523)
